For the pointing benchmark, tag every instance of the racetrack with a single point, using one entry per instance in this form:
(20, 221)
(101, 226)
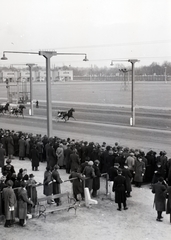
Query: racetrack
(103, 112)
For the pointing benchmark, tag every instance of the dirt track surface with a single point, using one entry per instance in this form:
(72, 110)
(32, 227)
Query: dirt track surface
(101, 221)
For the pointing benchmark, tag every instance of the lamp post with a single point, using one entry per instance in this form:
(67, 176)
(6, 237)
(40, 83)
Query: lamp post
(30, 65)
(165, 74)
(47, 55)
(132, 61)
(132, 119)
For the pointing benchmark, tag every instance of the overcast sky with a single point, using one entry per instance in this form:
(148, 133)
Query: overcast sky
(104, 29)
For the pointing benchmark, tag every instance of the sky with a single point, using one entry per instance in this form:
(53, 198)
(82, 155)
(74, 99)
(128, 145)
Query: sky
(103, 29)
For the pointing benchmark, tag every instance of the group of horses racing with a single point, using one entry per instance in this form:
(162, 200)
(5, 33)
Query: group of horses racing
(12, 110)
(17, 110)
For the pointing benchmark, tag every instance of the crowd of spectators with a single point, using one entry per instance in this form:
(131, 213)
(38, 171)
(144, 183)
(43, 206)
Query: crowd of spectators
(80, 159)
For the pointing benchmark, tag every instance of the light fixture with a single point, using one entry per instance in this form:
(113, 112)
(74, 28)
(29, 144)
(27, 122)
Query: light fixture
(85, 59)
(4, 57)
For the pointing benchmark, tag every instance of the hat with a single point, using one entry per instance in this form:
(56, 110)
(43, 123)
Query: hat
(56, 166)
(131, 154)
(9, 183)
(97, 161)
(90, 163)
(8, 161)
(31, 175)
(116, 164)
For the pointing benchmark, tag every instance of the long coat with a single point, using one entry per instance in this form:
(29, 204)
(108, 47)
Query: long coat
(35, 157)
(168, 207)
(119, 187)
(52, 159)
(77, 183)
(32, 191)
(10, 145)
(9, 199)
(139, 169)
(60, 156)
(22, 148)
(48, 187)
(22, 203)
(160, 196)
(75, 162)
(89, 173)
(96, 179)
(127, 174)
(56, 182)
(2, 157)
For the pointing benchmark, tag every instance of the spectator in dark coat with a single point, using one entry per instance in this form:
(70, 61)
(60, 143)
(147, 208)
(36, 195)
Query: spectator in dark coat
(67, 153)
(10, 146)
(52, 158)
(128, 176)
(56, 184)
(96, 179)
(34, 158)
(8, 169)
(74, 159)
(23, 200)
(9, 198)
(113, 172)
(139, 170)
(119, 188)
(47, 184)
(22, 148)
(31, 191)
(160, 190)
(168, 208)
(77, 184)
(2, 156)
(89, 174)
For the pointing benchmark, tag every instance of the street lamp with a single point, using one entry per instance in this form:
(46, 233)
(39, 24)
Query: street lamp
(47, 55)
(165, 74)
(30, 65)
(132, 61)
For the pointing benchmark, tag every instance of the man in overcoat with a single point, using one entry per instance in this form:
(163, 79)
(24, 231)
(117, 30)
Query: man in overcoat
(35, 158)
(77, 184)
(9, 199)
(119, 187)
(52, 158)
(89, 174)
(47, 184)
(22, 148)
(56, 184)
(2, 155)
(160, 190)
(139, 170)
(23, 200)
(96, 179)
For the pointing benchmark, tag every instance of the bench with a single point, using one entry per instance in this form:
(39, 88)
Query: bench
(44, 208)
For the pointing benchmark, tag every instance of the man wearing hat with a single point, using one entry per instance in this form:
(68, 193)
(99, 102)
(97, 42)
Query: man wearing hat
(160, 190)
(119, 188)
(89, 174)
(8, 169)
(9, 198)
(56, 184)
(23, 200)
(96, 180)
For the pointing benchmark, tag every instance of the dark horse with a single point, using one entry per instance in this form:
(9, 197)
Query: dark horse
(18, 110)
(66, 115)
(4, 108)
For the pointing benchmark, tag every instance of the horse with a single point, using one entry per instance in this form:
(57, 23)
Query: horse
(66, 115)
(18, 110)
(4, 108)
